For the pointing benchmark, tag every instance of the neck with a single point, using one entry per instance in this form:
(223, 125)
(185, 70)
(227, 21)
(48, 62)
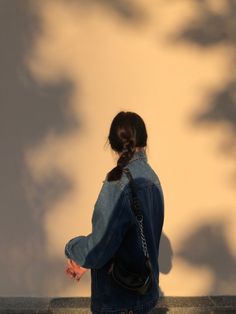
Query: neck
(138, 149)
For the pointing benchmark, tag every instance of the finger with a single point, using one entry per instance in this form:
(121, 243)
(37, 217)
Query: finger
(77, 278)
(70, 272)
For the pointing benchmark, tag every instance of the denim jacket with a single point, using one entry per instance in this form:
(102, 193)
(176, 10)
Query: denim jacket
(115, 232)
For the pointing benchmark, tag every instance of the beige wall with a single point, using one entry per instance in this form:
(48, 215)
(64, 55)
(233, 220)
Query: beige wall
(67, 68)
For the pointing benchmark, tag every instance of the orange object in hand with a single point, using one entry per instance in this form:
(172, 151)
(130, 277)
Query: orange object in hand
(74, 270)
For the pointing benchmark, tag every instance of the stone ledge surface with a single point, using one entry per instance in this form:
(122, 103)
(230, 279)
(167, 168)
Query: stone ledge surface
(81, 305)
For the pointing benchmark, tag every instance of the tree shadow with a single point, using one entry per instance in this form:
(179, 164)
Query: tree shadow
(127, 11)
(208, 29)
(207, 246)
(28, 113)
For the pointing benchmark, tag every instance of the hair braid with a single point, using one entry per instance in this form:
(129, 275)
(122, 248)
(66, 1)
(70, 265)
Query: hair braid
(127, 153)
(127, 132)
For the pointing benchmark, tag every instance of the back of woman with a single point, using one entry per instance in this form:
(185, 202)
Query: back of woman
(115, 231)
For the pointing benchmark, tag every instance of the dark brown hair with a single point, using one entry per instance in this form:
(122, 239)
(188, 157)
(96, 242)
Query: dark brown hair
(127, 132)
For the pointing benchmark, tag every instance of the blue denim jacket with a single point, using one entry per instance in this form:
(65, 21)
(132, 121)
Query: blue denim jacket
(115, 232)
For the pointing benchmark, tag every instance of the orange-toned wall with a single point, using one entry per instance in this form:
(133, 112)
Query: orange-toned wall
(87, 61)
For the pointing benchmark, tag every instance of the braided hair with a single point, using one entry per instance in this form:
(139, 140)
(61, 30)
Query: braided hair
(127, 132)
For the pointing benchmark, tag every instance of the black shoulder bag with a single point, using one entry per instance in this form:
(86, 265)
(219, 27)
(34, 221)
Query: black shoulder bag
(141, 282)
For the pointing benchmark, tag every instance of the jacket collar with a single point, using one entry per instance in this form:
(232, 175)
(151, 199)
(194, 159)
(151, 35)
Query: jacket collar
(138, 155)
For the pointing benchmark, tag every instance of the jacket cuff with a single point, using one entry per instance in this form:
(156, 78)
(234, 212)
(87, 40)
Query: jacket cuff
(69, 250)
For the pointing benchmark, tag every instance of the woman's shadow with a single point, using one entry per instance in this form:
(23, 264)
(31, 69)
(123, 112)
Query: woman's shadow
(165, 266)
(165, 257)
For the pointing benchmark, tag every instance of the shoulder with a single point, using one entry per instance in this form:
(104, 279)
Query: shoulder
(143, 175)
(117, 186)
(112, 198)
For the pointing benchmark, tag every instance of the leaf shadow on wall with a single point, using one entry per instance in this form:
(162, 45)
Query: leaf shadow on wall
(126, 11)
(207, 247)
(28, 113)
(210, 29)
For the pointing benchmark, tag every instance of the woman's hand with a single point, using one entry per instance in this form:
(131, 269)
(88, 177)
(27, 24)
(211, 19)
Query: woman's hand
(74, 270)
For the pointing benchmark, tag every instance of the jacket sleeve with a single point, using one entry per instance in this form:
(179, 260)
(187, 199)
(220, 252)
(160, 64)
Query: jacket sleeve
(110, 220)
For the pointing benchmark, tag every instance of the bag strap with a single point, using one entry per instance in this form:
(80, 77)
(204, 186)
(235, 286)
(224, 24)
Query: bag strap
(135, 205)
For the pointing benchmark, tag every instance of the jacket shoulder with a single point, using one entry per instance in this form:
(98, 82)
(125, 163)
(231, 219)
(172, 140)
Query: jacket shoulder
(120, 185)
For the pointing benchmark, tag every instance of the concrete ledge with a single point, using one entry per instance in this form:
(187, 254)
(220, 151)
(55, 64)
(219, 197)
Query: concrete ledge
(30, 305)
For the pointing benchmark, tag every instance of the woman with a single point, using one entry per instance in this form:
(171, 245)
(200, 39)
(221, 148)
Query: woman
(114, 228)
